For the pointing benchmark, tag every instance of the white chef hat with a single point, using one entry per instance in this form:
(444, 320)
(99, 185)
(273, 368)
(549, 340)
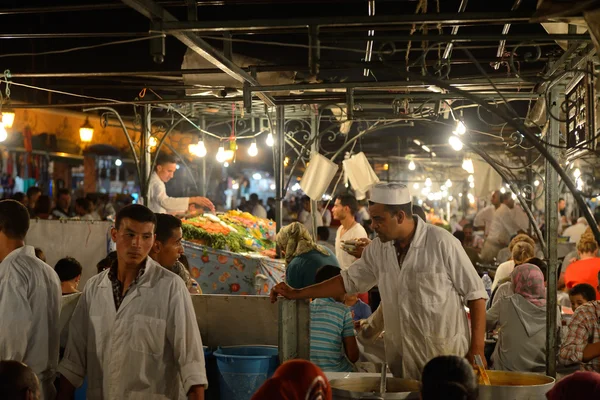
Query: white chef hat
(391, 193)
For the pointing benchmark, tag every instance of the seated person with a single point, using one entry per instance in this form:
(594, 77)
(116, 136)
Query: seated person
(587, 268)
(582, 341)
(69, 271)
(360, 310)
(333, 346)
(504, 270)
(323, 237)
(303, 257)
(522, 252)
(581, 294)
(296, 379)
(522, 321)
(449, 378)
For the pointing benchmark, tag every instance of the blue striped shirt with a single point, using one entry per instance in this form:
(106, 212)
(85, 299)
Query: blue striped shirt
(330, 322)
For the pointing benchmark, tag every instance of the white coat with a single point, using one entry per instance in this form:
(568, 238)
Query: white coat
(30, 297)
(149, 349)
(159, 201)
(423, 301)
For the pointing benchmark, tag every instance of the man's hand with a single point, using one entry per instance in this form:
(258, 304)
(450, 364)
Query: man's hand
(360, 244)
(283, 289)
(474, 351)
(203, 202)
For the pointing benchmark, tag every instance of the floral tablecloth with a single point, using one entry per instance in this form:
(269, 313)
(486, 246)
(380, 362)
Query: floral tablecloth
(223, 272)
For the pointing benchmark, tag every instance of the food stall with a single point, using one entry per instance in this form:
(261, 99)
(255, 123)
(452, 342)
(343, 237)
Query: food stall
(229, 253)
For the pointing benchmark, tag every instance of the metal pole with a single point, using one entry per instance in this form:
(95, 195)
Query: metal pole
(278, 152)
(203, 187)
(551, 214)
(314, 147)
(145, 161)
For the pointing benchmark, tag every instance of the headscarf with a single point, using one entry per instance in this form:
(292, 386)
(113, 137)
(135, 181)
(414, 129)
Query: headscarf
(580, 385)
(295, 240)
(528, 281)
(296, 380)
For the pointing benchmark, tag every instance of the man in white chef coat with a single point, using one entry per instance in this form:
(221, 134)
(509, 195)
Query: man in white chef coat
(507, 222)
(158, 200)
(134, 333)
(483, 219)
(30, 297)
(425, 278)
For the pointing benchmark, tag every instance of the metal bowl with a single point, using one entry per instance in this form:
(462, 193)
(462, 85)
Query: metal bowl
(367, 388)
(515, 385)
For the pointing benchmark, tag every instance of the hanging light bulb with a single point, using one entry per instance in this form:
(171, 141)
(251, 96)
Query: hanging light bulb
(461, 129)
(455, 143)
(270, 140)
(118, 162)
(536, 183)
(502, 190)
(448, 183)
(200, 148)
(411, 165)
(152, 142)
(428, 182)
(253, 150)
(86, 132)
(221, 154)
(416, 186)
(472, 185)
(3, 133)
(471, 179)
(450, 198)
(8, 117)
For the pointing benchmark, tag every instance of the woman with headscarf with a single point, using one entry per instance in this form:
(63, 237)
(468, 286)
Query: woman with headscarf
(296, 380)
(522, 322)
(303, 257)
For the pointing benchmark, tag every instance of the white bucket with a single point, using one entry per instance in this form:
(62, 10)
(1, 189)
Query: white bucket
(359, 172)
(318, 176)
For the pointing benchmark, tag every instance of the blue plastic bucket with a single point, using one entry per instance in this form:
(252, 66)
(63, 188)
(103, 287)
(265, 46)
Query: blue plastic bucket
(243, 369)
(212, 375)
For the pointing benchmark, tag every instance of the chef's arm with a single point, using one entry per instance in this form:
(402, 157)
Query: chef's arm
(477, 308)
(333, 287)
(196, 392)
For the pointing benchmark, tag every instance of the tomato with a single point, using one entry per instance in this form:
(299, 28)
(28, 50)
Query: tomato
(235, 287)
(222, 259)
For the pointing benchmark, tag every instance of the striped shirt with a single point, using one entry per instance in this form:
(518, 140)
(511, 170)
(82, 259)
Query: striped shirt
(330, 322)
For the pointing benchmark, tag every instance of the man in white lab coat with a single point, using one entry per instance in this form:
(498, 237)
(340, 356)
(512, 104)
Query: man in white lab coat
(507, 222)
(425, 278)
(483, 219)
(134, 333)
(158, 200)
(30, 298)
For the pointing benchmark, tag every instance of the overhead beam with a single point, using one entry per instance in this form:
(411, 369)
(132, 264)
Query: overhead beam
(341, 21)
(156, 13)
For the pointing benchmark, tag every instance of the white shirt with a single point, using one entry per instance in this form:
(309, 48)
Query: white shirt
(574, 232)
(485, 217)
(502, 272)
(149, 349)
(355, 232)
(305, 219)
(326, 217)
(30, 297)
(423, 302)
(259, 211)
(503, 226)
(159, 202)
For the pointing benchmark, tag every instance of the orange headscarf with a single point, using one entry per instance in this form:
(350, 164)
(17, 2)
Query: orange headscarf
(296, 380)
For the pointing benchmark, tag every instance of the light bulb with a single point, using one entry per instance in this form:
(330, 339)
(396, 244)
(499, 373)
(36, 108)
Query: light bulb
(226, 164)
(221, 154)
(461, 129)
(272, 186)
(502, 190)
(3, 133)
(152, 142)
(443, 188)
(448, 183)
(118, 162)
(235, 186)
(450, 198)
(86, 132)
(177, 166)
(471, 179)
(411, 165)
(257, 176)
(460, 195)
(8, 118)
(416, 186)
(455, 143)
(428, 182)
(577, 173)
(472, 185)
(514, 196)
(536, 183)
(270, 140)
(200, 148)
(253, 150)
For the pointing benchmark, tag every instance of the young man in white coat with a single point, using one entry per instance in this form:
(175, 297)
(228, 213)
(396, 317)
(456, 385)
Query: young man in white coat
(134, 332)
(30, 297)
(424, 277)
(158, 200)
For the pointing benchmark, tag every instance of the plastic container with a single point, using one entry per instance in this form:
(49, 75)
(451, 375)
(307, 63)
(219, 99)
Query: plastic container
(243, 369)
(317, 176)
(487, 282)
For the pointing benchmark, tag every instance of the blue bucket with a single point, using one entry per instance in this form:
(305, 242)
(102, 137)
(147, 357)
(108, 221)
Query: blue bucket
(212, 374)
(243, 369)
